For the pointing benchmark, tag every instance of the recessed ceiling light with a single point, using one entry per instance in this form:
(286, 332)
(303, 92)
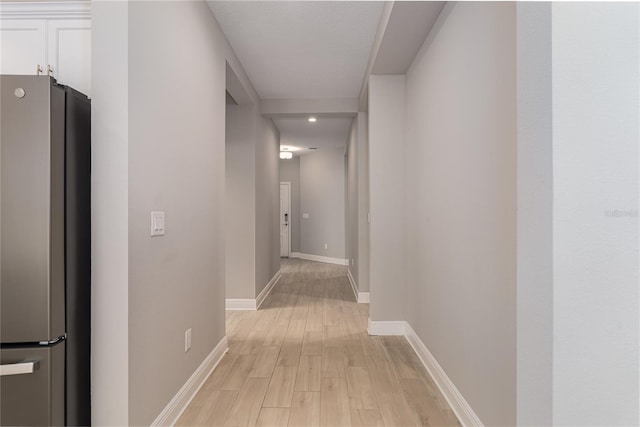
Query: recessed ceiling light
(286, 155)
(289, 148)
(313, 119)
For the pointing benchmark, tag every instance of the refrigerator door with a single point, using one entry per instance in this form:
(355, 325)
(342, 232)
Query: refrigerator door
(31, 209)
(78, 249)
(32, 386)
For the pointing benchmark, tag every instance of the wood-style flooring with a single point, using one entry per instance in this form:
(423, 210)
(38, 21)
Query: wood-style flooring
(305, 359)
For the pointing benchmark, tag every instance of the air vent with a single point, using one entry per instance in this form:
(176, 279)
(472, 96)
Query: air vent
(313, 148)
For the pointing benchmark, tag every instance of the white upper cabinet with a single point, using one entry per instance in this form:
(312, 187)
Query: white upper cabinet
(48, 36)
(69, 52)
(23, 45)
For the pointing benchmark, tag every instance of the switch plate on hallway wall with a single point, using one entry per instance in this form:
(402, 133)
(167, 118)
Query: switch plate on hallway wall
(305, 216)
(157, 223)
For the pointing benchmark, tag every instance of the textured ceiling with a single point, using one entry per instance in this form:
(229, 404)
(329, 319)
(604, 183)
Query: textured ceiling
(326, 133)
(301, 49)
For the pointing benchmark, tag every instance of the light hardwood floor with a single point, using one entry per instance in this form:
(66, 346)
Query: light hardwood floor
(305, 359)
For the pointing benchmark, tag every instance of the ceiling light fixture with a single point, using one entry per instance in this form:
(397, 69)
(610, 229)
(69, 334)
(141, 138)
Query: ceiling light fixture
(289, 148)
(313, 119)
(286, 155)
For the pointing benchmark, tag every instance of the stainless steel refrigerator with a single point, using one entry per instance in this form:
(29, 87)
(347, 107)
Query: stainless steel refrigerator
(45, 251)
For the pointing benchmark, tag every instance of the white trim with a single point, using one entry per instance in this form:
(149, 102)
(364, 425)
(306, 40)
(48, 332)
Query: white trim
(45, 10)
(354, 286)
(288, 184)
(253, 304)
(377, 327)
(325, 259)
(240, 304)
(267, 289)
(465, 413)
(363, 298)
(174, 409)
(294, 255)
(457, 402)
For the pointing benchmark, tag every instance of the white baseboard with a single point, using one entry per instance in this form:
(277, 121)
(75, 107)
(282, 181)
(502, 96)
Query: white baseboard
(267, 289)
(466, 415)
(240, 304)
(253, 304)
(174, 409)
(363, 297)
(386, 328)
(294, 255)
(352, 281)
(318, 258)
(457, 402)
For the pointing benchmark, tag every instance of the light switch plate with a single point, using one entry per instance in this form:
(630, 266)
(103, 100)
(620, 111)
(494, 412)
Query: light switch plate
(157, 223)
(305, 216)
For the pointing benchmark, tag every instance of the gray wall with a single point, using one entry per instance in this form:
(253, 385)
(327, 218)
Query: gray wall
(110, 214)
(521, 181)
(461, 155)
(267, 204)
(595, 86)
(176, 165)
(159, 144)
(240, 219)
(578, 132)
(442, 174)
(386, 177)
(535, 233)
(290, 172)
(362, 154)
(352, 202)
(252, 228)
(357, 202)
(322, 196)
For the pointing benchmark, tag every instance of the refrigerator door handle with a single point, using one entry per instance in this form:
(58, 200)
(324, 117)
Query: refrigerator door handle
(26, 367)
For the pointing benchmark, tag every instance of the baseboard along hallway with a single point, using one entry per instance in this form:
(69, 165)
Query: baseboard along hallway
(305, 359)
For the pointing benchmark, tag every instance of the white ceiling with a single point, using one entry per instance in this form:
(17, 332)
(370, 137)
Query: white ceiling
(326, 133)
(301, 49)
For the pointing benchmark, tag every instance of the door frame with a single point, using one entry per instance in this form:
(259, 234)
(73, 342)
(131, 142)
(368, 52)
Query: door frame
(288, 184)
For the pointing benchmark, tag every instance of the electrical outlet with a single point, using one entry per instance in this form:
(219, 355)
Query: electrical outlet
(326, 246)
(187, 340)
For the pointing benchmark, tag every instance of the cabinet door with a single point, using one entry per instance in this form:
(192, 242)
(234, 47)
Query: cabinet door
(22, 45)
(69, 52)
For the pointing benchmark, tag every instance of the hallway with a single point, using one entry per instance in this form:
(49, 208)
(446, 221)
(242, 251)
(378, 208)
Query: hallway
(305, 359)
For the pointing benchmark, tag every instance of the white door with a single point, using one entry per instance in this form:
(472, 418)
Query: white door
(285, 218)
(23, 46)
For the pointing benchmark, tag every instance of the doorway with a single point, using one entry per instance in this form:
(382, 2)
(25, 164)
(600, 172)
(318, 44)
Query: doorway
(285, 219)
